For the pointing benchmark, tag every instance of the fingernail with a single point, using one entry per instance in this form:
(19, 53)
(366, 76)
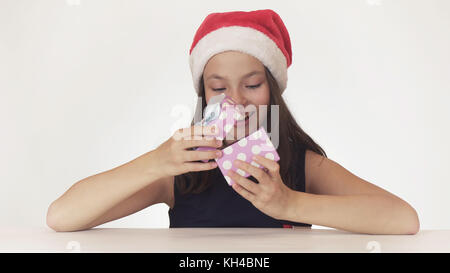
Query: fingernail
(237, 163)
(219, 153)
(219, 142)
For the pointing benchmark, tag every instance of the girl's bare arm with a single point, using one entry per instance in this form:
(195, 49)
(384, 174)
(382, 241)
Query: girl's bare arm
(132, 186)
(108, 196)
(337, 198)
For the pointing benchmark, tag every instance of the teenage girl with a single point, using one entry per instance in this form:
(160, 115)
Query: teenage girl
(244, 55)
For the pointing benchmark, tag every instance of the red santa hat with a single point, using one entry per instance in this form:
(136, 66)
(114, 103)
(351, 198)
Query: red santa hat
(260, 33)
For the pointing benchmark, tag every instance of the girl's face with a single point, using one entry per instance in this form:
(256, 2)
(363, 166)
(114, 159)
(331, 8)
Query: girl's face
(241, 77)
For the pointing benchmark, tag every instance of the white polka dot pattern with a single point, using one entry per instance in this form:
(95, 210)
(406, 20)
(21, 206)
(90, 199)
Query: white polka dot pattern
(241, 156)
(242, 142)
(224, 123)
(256, 149)
(269, 156)
(228, 150)
(256, 143)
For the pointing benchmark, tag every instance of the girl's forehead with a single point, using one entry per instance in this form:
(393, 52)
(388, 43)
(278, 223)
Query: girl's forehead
(232, 62)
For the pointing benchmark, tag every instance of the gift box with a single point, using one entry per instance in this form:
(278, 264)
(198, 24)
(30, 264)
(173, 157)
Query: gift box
(223, 113)
(257, 143)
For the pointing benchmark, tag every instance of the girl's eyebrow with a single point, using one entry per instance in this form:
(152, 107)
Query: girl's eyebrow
(215, 76)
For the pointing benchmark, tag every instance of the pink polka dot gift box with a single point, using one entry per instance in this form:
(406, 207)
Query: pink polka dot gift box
(257, 143)
(223, 113)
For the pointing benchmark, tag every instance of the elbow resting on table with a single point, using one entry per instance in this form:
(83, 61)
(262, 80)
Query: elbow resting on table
(52, 218)
(403, 221)
(56, 222)
(407, 220)
(415, 223)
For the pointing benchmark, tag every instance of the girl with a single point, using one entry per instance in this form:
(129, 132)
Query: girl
(244, 55)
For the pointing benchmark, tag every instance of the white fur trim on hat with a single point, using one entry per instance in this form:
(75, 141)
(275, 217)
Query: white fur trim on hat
(245, 39)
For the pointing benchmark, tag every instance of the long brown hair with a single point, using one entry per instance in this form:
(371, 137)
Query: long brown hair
(291, 139)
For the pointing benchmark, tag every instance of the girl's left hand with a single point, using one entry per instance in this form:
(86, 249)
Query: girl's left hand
(271, 195)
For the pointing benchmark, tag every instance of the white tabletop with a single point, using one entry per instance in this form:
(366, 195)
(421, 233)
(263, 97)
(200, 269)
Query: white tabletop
(218, 240)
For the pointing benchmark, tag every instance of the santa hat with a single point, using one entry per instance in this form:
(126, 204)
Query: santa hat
(260, 33)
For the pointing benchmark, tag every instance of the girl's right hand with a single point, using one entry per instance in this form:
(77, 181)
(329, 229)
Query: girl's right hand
(175, 156)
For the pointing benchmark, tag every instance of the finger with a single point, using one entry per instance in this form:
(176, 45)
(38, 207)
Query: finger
(256, 172)
(272, 166)
(196, 131)
(201, 143)
(248, 185)
(243, 192)
(209, 132)
(197, 167)
(201, 155)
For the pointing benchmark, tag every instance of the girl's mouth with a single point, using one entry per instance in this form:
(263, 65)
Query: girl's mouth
(245, 120)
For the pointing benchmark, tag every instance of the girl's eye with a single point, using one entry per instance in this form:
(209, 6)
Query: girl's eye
(253, 86)
(248, 86)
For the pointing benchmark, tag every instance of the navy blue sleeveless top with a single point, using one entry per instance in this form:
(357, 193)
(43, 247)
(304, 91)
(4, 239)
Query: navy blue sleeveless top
(221, 206)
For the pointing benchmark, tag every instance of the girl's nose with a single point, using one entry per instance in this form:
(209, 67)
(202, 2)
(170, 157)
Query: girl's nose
(238, 98)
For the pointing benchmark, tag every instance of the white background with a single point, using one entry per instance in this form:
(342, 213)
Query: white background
(86, 86)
